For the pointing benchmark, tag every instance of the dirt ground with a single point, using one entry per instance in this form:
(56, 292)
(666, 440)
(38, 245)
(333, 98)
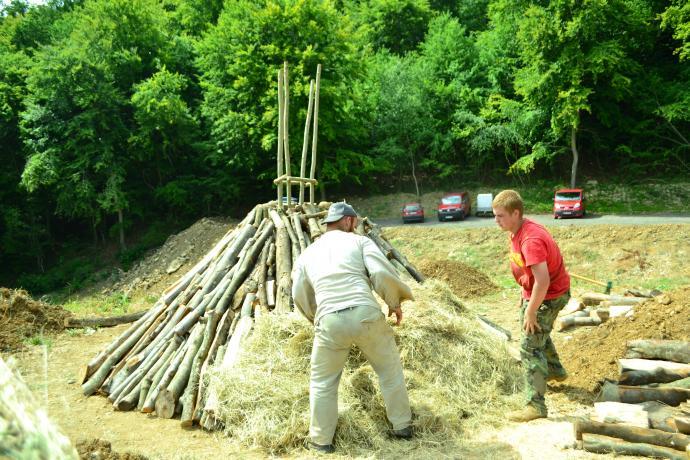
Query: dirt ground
(474, 262)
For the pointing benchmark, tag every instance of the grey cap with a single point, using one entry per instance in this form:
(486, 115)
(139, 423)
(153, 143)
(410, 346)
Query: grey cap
(337, 211)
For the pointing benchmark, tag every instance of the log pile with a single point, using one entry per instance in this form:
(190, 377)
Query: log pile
(593, 309)
(646, 412)
(160, 362)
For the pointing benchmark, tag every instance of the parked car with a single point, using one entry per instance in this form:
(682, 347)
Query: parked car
(412, 212)
(454, 206)
(484, 205)
(569, 202)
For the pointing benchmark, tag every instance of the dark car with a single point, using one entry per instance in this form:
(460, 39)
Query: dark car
(454, 206)
(569, 202)
(412, 212)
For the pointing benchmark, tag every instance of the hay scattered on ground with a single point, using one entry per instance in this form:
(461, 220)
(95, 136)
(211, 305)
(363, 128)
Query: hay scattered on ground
(99, 449)
(22, 317)
(457, 376)
(591, 354)
(463, 280)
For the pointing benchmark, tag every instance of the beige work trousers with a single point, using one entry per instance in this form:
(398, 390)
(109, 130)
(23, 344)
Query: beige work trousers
(335, 333)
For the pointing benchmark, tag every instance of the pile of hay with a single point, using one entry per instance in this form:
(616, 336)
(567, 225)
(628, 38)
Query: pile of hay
(457, 376)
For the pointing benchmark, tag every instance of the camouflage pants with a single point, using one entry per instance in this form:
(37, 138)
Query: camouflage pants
(539, 356)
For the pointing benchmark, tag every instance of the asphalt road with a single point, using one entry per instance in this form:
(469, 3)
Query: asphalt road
(547, 219)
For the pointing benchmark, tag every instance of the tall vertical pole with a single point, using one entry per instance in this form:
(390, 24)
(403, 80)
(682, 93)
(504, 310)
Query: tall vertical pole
(305, 143)
(286, 124)
(280, 138)
(314, 134)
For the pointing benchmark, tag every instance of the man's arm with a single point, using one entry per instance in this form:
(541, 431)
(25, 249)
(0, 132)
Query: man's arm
(385, 279)
(303, 293)
(540, 272)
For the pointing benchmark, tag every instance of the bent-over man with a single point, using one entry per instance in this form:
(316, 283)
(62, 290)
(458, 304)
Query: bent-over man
(332, 282)
(538, 268)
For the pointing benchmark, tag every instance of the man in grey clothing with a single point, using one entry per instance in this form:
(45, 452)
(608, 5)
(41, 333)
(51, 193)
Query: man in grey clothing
(332, 287)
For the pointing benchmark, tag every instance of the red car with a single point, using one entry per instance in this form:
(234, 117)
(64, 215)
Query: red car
(412, 212)
(454, 206)
(569, 202)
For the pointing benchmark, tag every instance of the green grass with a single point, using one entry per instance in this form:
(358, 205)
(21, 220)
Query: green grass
(38, 340)
(602, 198)
(115, 304)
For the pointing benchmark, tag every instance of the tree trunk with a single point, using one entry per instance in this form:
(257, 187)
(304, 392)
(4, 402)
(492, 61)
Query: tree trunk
(644, 371)
(676, 441)
(617, 412)
(668, 350)
(576, 156)
(103, 322)
(121, 222)
(629, 394)
(605, 445)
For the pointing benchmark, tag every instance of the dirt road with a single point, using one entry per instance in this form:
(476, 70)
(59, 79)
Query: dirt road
(547, 219)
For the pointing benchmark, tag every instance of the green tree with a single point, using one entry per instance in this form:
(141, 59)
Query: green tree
(239, 61)
(677, 18)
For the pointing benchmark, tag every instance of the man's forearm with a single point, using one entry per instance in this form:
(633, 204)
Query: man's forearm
(537, 297)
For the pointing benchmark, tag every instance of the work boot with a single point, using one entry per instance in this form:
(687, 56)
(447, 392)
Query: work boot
(323, 448)
(557, 375)
(525, 415)
(403, 433)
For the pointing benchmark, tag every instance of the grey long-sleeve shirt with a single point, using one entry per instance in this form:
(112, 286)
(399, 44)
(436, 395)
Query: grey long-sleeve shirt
(339, 271)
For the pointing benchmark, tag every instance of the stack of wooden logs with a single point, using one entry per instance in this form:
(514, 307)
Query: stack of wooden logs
(646, 413)
(160, 362)
(593, 309)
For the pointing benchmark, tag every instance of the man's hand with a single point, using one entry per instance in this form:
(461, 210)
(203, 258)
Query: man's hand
(530, 324)
(398, 314)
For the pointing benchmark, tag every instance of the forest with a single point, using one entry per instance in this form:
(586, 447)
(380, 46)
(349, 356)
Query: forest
(117, 115)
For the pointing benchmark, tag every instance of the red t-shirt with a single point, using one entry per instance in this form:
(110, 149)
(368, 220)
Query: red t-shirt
(531, 245)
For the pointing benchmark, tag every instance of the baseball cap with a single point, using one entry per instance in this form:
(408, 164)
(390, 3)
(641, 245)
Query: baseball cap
(337, 211)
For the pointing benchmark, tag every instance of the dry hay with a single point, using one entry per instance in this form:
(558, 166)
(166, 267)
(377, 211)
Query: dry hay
(457, 376)
(100, 449)
(463, 280)
(591, 354)
(22, 317)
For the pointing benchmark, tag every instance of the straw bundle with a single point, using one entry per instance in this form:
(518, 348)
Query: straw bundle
(456, 374)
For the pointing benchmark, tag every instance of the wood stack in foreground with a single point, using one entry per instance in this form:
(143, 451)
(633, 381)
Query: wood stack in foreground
(158, 364)
(646, 412)
(593, 309)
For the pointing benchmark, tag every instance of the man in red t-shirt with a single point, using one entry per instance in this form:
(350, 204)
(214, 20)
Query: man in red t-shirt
(538, 268)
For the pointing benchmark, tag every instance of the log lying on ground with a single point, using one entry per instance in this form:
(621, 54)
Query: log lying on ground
(111, 321)
(644, 371)
(616, 412)
(576, 321)
(668, 350)
(594, 298)
(604, 445)
(573, 305)
(630, 394)
(493, 328)
(676, 441)
(682, 383)
(160, 361)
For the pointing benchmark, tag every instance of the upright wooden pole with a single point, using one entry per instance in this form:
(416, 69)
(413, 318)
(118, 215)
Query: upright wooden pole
(305, 143)
(312, 173)
(286, 138)
(280, 137)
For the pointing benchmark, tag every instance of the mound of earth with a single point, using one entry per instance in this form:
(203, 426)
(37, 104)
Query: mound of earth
(590, 355)
(463, 280)
(98, 449)
(162, 266)
(22, 317)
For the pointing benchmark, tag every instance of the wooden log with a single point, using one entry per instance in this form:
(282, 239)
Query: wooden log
(286, 136)
(573, 305)
(297, 224)
(305, 142)
(660, 416)
(645, 371)
(136, 374)
(189, 397)
(103, 322)
(682, 383)
(167, 398)
(283, 271)
(281, 126)
(668, 350)
(494, 328)
(574, 321)
(99, 376)
(157, 370)
(682, 423)
(676, 441)
(602, 314)
(616, 412)
(271, 292)
(262, 273)
(315, 131)
(315, 229)
(628, 301)
(166, 374)
(630, 394)
(620, 310)
(376, 233)
(595, 298)
(604, 445)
